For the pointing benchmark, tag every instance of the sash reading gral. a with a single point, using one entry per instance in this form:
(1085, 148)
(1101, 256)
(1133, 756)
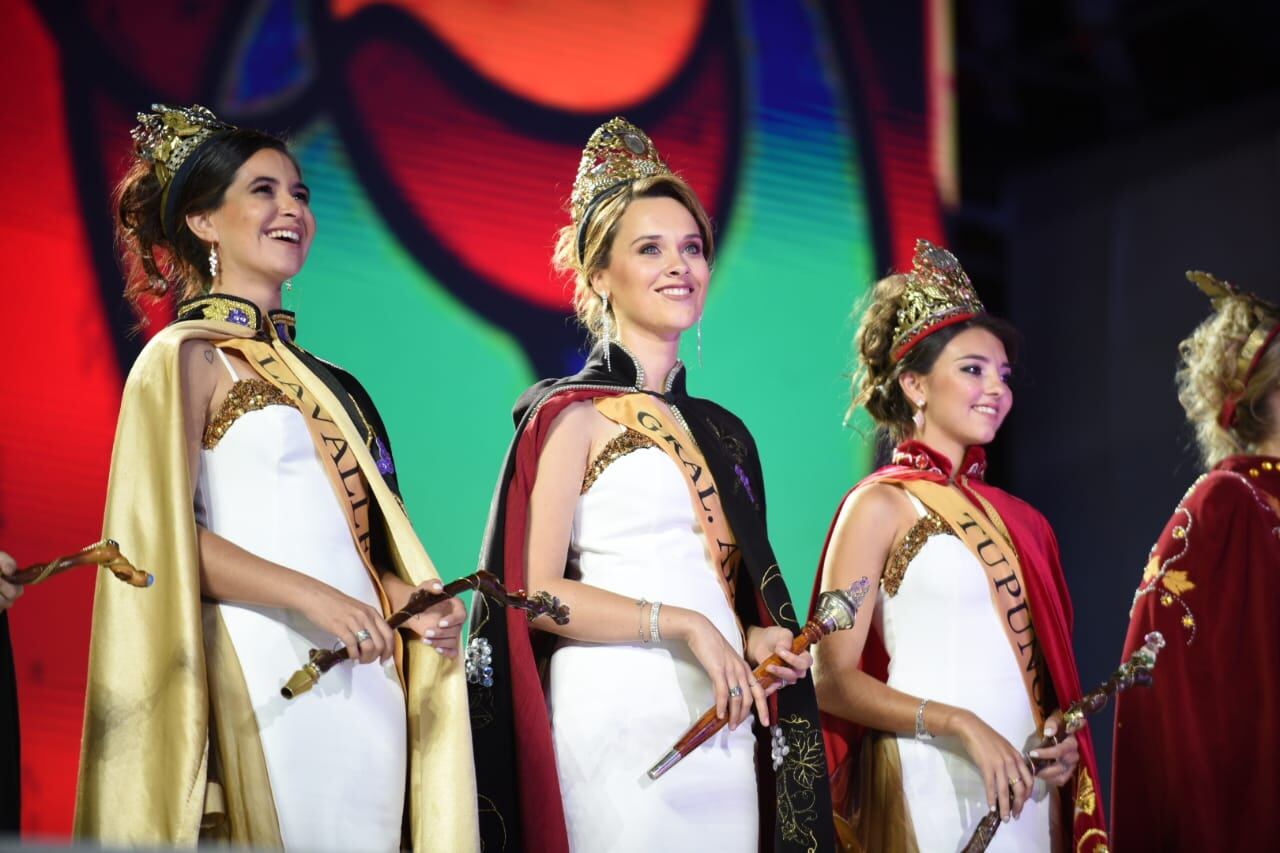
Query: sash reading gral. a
(338, 462)
(987, 538)
(647, 416)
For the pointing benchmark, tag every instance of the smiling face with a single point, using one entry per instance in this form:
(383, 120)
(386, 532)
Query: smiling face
(966, 393)
(658, 273)
(265, 226)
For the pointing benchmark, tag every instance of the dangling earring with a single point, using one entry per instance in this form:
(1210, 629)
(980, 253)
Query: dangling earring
(288, 284)
(918, 417)
(699, 341)
(608, 332)
(213, 262)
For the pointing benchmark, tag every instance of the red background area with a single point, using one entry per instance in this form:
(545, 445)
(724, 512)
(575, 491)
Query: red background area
(61, 390)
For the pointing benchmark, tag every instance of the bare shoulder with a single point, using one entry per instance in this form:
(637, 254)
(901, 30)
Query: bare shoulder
(199, 372)
(581, 424)
(872, 518)
(876, 506)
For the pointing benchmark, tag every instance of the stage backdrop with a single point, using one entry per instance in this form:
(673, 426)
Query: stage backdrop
(441, 141)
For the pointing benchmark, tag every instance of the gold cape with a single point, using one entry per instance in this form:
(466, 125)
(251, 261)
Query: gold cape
(162, 672)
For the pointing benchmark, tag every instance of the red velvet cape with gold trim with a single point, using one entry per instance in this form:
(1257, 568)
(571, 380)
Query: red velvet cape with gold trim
(1196, 753)
(1051, 614)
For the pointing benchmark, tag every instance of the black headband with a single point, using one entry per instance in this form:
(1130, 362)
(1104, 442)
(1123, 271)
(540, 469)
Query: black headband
(173, 192)
(601, 197)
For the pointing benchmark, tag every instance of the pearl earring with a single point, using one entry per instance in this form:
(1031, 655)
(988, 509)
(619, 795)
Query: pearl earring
(213, 262)
(699, 342)
(288, 284)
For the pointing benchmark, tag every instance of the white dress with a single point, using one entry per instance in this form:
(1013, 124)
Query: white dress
(616, 709)
(335, 755)
(945, 643)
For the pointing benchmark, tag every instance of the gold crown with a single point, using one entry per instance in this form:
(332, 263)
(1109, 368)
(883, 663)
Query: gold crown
(167, 136)
(938, 294)
(616, 154)
(1266, 326)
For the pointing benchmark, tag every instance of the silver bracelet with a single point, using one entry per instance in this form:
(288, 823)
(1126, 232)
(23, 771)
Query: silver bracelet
(921, 732)
(655, 636)
(640, 628)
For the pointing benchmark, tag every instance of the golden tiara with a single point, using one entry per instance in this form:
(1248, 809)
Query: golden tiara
(167, 136)
(938, 294)
(616, 154)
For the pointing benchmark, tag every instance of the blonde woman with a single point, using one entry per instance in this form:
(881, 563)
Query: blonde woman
(1194, 755)
(642, 508)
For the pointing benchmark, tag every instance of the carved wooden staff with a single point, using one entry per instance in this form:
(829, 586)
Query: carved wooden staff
(105, 554)
(1137, 670)
(486, 583)
(836, 611)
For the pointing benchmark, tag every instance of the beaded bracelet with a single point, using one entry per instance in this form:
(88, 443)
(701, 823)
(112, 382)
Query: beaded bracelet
(921, 732)
(640, 628)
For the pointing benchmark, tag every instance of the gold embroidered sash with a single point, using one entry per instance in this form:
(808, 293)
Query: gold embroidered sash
(338, 462)
(649, 417)
(988, 539)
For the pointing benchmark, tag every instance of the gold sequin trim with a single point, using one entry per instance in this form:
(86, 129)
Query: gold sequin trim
(920, 533)
(620, 445)
(246, 395)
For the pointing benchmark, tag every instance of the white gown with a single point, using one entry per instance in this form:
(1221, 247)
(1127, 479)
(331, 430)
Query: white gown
(616, 709)
(335, 755)
(945, 643)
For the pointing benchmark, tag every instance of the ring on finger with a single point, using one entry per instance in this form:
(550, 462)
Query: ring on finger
(362, 635)
(735, 692)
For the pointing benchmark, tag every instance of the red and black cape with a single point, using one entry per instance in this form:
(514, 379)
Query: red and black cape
(520, 803)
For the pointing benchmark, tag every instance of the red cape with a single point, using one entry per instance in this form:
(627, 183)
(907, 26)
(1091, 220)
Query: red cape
(1051, 614)
(1195, 754)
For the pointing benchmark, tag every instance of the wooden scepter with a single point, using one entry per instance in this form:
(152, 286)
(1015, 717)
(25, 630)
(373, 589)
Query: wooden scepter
(486, 583)
(105, 554)
(1137, 670)
(835, 612)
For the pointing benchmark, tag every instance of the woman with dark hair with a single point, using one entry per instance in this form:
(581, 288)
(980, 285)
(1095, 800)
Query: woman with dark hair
(255, 482)
(642, 508)
(966, 654)
(1211, 586)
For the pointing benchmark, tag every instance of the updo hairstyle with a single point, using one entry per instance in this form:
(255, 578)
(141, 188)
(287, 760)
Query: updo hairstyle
(1207, 375)
(602, 228)
(155, 262)
(875, 381)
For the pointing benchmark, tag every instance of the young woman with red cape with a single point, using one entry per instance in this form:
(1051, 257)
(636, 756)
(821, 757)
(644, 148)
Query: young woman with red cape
(965, 652)
(1194, 753)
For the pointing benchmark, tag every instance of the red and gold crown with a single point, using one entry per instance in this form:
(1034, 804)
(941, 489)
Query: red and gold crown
(1266, 329)
(938, 294)
(616, 154)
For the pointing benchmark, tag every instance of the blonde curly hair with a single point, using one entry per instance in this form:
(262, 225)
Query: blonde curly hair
(1207, 374)
(601, 230)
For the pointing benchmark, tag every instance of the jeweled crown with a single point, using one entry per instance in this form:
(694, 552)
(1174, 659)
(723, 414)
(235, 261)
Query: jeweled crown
(1264, 332)
(167, 136)
(616, 154)
(938, 294)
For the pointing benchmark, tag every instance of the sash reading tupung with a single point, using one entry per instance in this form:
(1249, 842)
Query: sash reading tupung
(988, 539)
